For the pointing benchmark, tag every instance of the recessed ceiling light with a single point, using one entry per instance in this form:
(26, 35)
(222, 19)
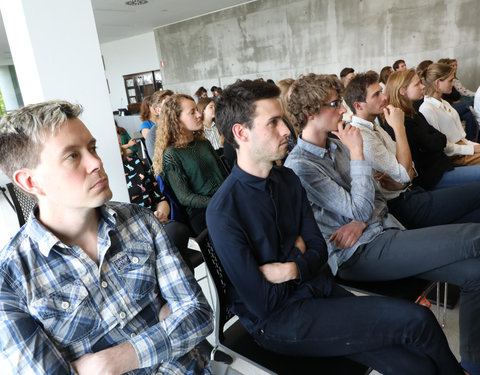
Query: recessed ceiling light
(136, 2)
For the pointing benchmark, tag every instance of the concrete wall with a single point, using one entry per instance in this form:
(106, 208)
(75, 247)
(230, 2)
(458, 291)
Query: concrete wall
(284, 38)
(127, 56)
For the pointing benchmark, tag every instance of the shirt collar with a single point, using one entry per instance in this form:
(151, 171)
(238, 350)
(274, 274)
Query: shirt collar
(46, 240)
(360, 121)
(254, 181)
(429, 99)
(317, 150)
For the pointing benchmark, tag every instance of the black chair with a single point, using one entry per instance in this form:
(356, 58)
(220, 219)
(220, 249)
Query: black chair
(235, 340)
(22, 203)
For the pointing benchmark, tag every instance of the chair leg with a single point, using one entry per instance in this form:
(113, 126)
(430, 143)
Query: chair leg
(445, 293)
(438, 300)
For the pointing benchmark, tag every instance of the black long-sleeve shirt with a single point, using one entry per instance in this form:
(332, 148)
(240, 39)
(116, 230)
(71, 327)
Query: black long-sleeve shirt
(426, 145)
(253, 221)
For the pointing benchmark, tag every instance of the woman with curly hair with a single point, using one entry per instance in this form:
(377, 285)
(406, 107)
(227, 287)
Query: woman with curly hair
(185, 160)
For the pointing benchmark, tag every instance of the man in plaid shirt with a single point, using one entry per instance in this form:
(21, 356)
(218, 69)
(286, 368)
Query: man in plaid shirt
(88, 287)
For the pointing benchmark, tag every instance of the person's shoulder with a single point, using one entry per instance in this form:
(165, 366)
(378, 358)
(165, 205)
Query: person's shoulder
(126, 211)
(226, 195)
(17, 254)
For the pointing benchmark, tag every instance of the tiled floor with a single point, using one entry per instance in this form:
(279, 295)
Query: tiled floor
(240, 367)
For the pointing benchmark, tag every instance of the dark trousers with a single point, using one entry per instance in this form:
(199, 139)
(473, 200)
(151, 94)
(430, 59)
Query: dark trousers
(390, 335)
(448, 253)
(419, 208)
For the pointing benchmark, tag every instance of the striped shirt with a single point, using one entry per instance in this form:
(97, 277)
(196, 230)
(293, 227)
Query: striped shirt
(56, 304)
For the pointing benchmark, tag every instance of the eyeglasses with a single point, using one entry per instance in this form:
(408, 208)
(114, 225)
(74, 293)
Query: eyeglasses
(335, 104)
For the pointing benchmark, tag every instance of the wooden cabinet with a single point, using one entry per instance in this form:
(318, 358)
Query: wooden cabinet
(140, 85)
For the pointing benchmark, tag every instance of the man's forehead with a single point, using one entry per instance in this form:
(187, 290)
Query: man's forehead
(373, 88)
(267, 105)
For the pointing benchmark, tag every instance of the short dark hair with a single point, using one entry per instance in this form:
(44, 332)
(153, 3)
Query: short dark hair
(346, 71)
(397, 63)
(356, 90)
(236, 105)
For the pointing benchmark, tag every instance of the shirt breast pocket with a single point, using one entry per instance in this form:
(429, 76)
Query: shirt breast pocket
(136, 267)
(67, 314)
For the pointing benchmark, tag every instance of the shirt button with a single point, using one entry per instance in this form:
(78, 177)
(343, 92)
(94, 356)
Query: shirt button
(104, 284)
(123, 315)
(83, 256)
(134, 260)
(65, 305)
(133, 334)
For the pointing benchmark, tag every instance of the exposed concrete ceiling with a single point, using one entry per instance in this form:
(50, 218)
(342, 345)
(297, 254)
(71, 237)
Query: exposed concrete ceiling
(115, 20)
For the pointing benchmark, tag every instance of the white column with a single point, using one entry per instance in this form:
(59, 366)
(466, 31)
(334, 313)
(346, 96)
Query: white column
(56, 52)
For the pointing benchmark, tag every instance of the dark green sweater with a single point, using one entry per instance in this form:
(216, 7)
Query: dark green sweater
(194, 173)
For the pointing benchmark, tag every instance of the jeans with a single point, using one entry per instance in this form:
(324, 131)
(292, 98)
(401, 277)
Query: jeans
(392, 336)
(459, 176)
(471, 125)
(449, 253)
(419, 208)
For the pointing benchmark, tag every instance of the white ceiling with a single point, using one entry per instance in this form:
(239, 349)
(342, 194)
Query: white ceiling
(116, 20)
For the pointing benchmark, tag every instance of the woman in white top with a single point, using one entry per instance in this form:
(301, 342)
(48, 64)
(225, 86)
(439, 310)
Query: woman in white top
(438, 80)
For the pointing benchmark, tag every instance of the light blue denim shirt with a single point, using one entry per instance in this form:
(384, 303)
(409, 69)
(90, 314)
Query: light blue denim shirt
(340, 190)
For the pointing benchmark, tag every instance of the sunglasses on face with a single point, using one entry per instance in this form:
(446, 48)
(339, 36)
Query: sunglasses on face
(335, 104)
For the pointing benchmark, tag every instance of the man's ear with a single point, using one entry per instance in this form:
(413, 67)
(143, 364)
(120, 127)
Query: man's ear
(358, 106)
(25, 179)
(240, 132)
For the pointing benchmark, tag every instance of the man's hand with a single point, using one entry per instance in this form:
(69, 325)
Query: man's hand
(351, 137)
(165, 311)
(112, 361)
(395, 117)
(476, 149)
(162, 211)
(277, 273)
(300, 244)
(348, 235)
(389, 183)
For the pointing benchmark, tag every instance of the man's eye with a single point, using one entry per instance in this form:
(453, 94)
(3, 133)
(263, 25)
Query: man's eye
(93, 149)
(71, 156)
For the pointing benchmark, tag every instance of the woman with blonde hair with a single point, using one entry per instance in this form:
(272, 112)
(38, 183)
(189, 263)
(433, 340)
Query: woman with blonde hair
(186, 161)
(435, 169)
(438, 80)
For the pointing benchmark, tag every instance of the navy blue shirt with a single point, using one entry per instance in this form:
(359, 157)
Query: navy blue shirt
(253, 221)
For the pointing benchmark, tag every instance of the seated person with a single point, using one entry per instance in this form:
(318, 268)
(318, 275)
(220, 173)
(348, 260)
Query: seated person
(438, 80)
(88, 286)
(270, 247)
(393, 166)
(365, 242)
(384, 74)
(435, 169)
(461, 103)
(157, 100)
(128, 145)
(144, 191)
(187, 161)
(206, 108)
(399, 65)
(147, 116)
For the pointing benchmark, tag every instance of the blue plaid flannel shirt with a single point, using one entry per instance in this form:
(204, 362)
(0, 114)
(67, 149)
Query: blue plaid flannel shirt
(56, 304)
